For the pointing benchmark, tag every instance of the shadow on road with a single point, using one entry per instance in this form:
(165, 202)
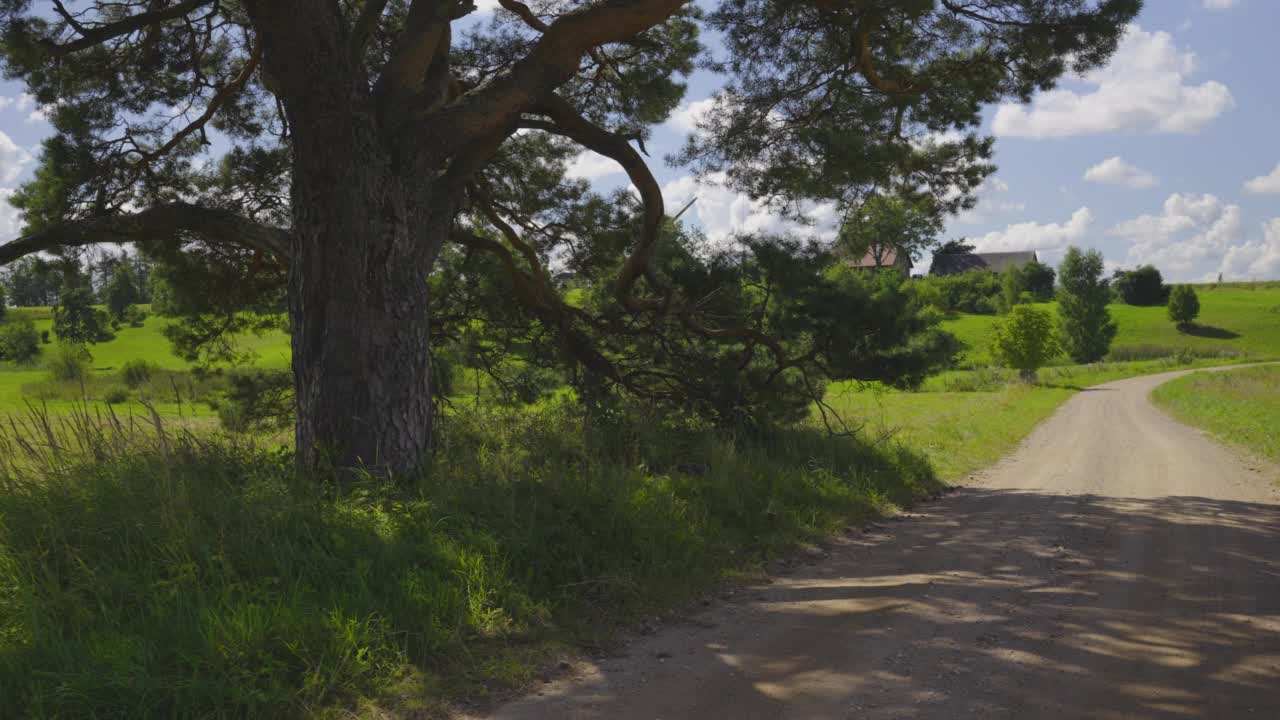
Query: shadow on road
(987, 604)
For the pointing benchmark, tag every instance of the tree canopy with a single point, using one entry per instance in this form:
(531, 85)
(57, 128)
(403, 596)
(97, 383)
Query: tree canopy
(374, 165)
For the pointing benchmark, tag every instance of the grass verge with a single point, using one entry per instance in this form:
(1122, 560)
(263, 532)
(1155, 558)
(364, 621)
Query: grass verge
(150, 573)
(1240, 407)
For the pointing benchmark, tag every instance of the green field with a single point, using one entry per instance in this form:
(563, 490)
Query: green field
(1240, 407)
(19, 384)
(1233, 319)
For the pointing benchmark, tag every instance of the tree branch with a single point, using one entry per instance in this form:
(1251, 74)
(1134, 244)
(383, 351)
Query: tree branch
(159, 224)
(364, 25)
(97, 35)
(552, 62)
(569, 123)
(215, 103)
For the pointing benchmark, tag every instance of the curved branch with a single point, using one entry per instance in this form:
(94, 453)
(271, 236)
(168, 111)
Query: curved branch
(99, 34)
(552, 62)
(160, 224)
(215, 103)
(569, 123)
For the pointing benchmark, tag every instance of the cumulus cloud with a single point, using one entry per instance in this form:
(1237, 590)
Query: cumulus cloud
(992, 200)
(13, 159)
(589, 166)
(1218, 4)
(1036, 236)
(723, 212)
(1115, 171)
(10, 222)
(1190, 231)
(1268, 184)
(1257, 259)
(685, 117)
(1144, 87)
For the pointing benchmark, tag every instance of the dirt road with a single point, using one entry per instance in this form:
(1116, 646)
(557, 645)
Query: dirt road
(1118, 565)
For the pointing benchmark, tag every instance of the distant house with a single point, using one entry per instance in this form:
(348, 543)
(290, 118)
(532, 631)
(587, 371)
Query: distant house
(878, 258)
(953, 263)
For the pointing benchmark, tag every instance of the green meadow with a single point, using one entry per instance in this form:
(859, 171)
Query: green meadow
(1240, 407)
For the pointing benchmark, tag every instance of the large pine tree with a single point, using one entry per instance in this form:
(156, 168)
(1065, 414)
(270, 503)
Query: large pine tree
(357, 138)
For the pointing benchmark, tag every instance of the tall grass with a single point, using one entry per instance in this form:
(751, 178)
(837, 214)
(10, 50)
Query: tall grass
(146, 572)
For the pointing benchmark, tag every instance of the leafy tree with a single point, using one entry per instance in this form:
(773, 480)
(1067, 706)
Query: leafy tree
(121, 291)
(1086, 328)
(30, 283)
(886, 226)
(4, 306)
(75, 319)
(1184, 305)
(956, 246)
(19, 341)
(1038, 279)
(367, 140)
(1141, 286)
(1025, 340)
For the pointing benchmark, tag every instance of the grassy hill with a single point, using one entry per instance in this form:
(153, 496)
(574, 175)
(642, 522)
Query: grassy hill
(1233, 319)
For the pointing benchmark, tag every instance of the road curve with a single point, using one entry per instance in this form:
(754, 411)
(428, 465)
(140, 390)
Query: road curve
(1118, 565)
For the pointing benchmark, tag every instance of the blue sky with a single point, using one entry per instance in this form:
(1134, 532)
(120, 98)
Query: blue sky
(1169, 155)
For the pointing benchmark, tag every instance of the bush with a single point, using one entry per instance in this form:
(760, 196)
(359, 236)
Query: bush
(137, 372)
(19, 341)
(75, 320)
(977, 292)
(1184, 305)
(1143, 286)
(1027, 283)
(44, 337)
(135, 316)
(115, 395)
(1025, 340)
(70, 362)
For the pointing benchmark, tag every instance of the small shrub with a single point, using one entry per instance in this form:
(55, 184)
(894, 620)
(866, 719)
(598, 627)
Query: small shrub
(135, 316)
(137, 372)
(44, 337)
(1184, 305)
(115, 395)
(18, 341)
(1026, 340)
(70, 363)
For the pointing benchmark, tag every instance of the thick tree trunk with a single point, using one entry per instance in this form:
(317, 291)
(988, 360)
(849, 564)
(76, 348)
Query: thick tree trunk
(366, 234)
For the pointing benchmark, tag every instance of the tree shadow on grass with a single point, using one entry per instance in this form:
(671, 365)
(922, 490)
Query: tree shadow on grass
(991, 604)
(1209, 331)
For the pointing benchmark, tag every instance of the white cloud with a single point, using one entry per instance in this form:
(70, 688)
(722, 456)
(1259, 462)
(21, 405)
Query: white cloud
(1268, 184)
(1143, 87)
(10, 222)
(589, 166)
(1115, 171)
(1218, 4)
(1036, 236)
(486, 6)
(992, 200)
(22, 102)
(13, 159)
(685, 117)
(723, 212)
(1190, 232)
(1256, 259)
